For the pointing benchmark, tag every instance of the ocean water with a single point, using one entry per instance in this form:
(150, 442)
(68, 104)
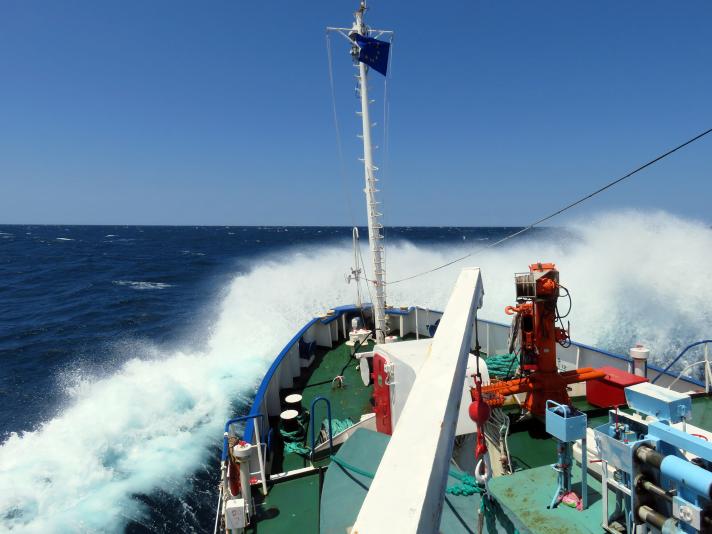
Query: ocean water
(124, 349)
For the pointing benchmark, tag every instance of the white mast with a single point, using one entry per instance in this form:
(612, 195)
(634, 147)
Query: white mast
(375, 238)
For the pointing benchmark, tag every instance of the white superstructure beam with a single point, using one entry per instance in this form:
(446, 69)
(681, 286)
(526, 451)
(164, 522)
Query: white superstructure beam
(408, 490)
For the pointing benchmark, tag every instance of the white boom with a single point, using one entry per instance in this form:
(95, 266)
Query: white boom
(409, 486)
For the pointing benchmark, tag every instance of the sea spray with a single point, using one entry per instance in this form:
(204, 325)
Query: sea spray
(147, 426)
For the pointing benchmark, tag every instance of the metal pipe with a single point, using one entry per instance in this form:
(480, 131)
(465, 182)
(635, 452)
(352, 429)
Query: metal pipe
(260, 459)
(644, 484)
(687, 474)
(311, 424)
(584, 472)
(649, 456)
(650, 516)
(217, 514)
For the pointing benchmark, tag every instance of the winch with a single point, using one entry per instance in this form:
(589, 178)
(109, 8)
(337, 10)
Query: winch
(534, 337)
(661, 474)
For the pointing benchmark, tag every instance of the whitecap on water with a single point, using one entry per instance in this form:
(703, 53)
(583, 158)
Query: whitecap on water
(133, 284)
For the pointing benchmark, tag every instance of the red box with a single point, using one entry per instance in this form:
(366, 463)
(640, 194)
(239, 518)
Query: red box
(607, 392)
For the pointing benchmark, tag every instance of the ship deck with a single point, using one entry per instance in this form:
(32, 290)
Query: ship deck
(293, 501)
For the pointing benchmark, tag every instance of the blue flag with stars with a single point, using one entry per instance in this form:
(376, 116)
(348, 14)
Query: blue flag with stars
(373, 52)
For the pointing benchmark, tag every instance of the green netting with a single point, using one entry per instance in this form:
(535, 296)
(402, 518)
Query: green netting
(297, 448)
(294, 439)
(502, 366)
(337, 425)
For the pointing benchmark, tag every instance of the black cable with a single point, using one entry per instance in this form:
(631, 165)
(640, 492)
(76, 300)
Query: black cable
(568, 294)
(511, 364)
(562, 210)
(477, 350)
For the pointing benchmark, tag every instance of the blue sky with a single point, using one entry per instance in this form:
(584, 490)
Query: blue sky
(177, 112)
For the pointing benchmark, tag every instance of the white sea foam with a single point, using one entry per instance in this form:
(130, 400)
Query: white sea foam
(147, 426)
(142, 285)
(64, 239)
(633, 277)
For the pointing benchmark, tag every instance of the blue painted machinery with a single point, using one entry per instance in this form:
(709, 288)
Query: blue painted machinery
(567, 425)
(661, 475)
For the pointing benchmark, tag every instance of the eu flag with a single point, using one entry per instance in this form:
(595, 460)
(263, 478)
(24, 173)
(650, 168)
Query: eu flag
(373, 52)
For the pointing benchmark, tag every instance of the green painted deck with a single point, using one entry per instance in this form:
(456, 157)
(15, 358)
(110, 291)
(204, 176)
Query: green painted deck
(345, 489)
(351, 401)
(530, 446)
(521, 499)
(290, 506)
(525, 496)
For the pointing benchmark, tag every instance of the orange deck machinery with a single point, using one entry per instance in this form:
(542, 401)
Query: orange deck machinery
(534, 337)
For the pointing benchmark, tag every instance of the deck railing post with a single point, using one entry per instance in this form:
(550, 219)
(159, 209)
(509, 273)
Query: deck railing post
(707, 368)
(489, 352)
(417, 328)
(311, 423)
(260, 460)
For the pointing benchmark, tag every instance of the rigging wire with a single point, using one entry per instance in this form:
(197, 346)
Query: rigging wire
(368, 288)
(386, 146)
(558, 212)
(342, 165)
(339, 143)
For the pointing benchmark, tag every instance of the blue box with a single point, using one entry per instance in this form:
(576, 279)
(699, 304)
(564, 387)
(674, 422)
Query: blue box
(565, 423)
(659, 402)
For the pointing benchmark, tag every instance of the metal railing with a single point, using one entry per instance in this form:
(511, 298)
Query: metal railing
(259, 444)
(312, 424)
(707, 371)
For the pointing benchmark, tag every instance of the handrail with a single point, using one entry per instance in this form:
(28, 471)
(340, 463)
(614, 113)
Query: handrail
(260, 458)
(223, 460)
(311, 423)
(217, 513)
(267, 378)
(684, 371)
(674, 361)
(227, 430)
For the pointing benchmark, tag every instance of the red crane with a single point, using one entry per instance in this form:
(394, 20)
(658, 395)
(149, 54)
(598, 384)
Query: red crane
(534, 326)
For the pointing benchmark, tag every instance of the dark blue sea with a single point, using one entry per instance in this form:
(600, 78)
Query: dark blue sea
(124, 349)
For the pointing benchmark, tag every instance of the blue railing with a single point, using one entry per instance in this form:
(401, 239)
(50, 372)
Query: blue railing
(227, 430)
(675, 360)
(312, 423)
(259, 396)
